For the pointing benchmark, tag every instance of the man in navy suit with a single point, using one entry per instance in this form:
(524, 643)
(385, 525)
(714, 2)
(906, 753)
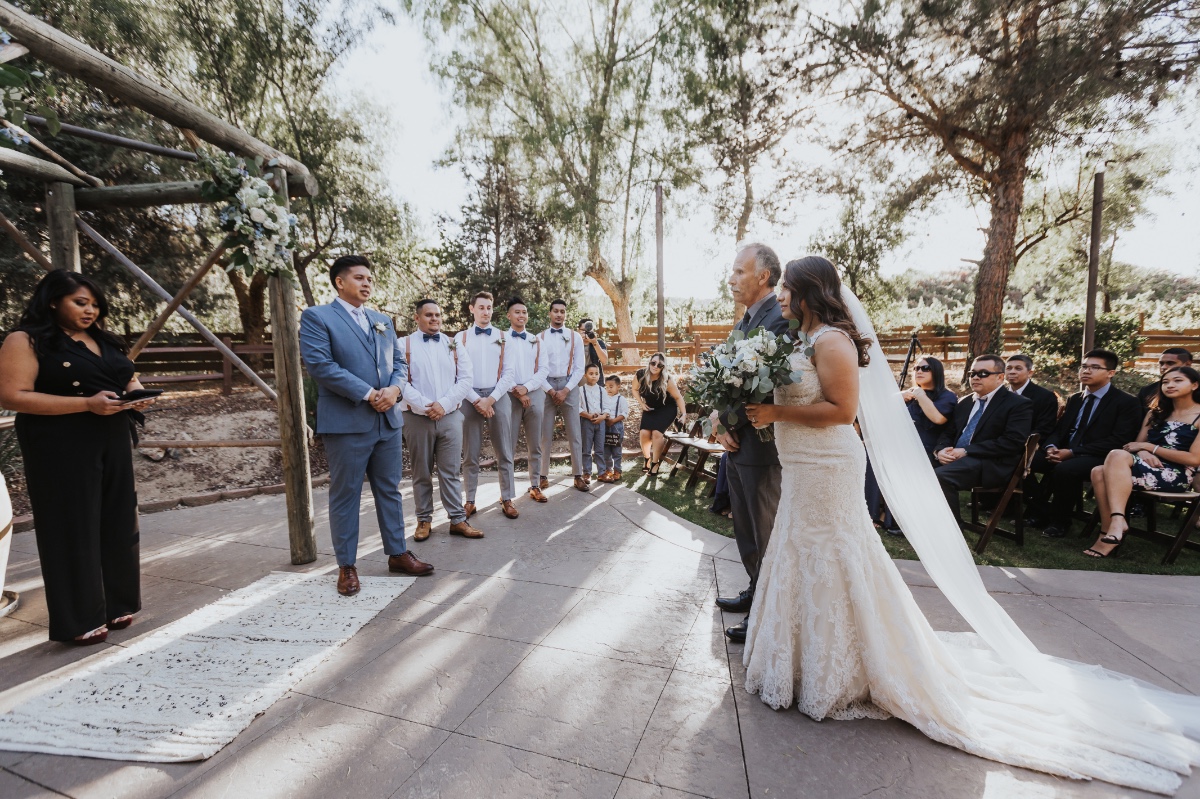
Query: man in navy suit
(354, 356)
(753, 469)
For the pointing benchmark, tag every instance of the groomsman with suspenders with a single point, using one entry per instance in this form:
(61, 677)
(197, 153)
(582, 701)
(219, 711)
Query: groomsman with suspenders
(528, 394)
(488, 404)
(562, 350)
(439, 378)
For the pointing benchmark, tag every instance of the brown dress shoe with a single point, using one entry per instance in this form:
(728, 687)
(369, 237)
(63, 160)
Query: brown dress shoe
(544, 484)
(510, 510)
(423, 531)
(348, 581)
(407, 563)
(581, 484)
(470, 509)
(536, 494)
(465, 530)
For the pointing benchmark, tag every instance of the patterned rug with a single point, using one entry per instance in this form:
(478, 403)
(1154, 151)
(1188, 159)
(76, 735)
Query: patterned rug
(184, 691)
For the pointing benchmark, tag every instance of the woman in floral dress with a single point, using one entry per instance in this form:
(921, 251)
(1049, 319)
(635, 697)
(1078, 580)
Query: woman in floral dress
(1163, 458)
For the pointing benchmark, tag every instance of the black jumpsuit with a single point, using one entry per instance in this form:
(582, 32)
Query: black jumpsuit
(79, 472)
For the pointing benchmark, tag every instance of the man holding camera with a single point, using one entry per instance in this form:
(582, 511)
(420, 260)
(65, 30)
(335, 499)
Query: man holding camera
(594, 347)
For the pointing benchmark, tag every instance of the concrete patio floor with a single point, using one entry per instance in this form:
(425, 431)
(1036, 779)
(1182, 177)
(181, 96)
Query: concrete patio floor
(575, 652)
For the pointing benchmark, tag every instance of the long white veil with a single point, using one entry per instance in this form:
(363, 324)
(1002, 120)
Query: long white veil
(1129, 717)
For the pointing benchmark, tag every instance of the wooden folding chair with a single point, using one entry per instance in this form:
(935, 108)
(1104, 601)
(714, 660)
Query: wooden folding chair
(1014, 489)
(1186, 504)
(694, 440)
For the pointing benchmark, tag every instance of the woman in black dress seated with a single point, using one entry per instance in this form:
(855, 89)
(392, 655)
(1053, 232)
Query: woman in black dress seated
(1163, 458)
(930, 404)
(662, 403)
(64, 374)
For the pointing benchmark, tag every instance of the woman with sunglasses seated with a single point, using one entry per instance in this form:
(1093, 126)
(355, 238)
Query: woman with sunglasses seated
(930, 404)
(662, 403)
(1164, 457)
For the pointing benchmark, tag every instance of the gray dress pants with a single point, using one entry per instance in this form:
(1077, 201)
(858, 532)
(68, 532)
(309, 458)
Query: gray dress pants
(437, 444)
(501, 435)
(569, 411)
(753, 498)
(531, 419)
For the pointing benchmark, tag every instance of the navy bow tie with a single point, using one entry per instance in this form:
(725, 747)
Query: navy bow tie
(518, 335)
(431, 336)
(558, 330)
(483, 331)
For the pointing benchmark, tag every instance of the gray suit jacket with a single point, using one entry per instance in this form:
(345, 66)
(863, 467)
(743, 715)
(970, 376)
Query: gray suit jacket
(753, 451)
(346, 363)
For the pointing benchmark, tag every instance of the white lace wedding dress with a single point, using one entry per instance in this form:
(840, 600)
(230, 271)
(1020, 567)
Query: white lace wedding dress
(835, 629)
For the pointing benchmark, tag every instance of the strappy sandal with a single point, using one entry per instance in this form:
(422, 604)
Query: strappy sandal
(121, 622)
(1108, 539)
(654, 468)
(646, 466)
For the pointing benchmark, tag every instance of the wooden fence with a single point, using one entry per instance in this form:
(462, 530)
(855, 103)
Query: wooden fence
(189, 359)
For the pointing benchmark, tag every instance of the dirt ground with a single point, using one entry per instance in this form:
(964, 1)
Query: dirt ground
(206, 415)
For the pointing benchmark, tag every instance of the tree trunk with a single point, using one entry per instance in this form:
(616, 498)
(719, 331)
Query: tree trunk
(252, 310)
(300, 267)
(618, 292)
(1007, 195)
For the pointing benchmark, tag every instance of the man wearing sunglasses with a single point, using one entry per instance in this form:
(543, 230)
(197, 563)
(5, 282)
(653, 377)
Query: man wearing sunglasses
(1097, 420)
(986, 438)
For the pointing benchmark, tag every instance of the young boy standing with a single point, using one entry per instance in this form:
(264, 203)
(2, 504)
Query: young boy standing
(591, 421)
(615, 409)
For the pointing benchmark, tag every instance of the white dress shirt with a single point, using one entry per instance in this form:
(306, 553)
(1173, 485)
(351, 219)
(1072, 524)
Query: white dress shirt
(591, 398)
(563, 355)
(433, 375)
(1020, 391)
(615, 406)
(529, 370)
(975, 408)
(491, 365)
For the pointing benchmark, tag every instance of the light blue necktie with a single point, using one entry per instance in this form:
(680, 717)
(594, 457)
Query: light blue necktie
(969, 430)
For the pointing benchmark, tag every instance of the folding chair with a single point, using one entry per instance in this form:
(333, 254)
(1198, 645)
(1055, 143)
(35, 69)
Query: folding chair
(1014, 489)
(1186, 504)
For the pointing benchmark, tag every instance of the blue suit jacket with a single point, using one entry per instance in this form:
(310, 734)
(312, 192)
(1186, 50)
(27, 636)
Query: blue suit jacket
(346, 363)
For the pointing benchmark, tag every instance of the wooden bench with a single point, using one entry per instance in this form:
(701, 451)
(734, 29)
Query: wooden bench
(693, 440)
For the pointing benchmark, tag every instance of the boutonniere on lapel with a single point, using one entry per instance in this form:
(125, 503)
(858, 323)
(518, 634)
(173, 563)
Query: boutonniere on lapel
(452, 342)
(381, 327)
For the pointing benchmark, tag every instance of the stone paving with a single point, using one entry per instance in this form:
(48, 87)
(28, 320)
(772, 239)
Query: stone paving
(575, 652)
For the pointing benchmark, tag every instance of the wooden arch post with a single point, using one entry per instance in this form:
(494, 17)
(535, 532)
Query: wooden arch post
(293, 426)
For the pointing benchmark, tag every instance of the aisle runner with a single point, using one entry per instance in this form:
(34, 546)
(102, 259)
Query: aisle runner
(183, 692)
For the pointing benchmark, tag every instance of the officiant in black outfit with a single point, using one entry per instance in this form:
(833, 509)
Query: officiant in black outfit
(1097, 420)
(986, 437)
(753, 469)
(64, 375)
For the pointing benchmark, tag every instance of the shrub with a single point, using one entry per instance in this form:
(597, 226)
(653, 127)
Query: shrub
(10, 452)
(1056, 342)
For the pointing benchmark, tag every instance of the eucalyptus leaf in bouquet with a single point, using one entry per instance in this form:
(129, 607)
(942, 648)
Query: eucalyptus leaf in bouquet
(746, 369)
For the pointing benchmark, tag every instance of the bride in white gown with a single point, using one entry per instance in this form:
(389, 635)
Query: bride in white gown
(835, 629)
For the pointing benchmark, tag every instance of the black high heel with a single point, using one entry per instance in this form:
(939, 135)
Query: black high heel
(654, 467)
(646, 466)
(1108, 539)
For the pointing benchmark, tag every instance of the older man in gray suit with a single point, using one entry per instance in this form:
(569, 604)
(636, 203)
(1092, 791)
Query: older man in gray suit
(753, 467)
(353, 355)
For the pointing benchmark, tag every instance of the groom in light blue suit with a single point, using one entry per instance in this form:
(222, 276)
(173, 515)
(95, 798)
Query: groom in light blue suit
(354, 356)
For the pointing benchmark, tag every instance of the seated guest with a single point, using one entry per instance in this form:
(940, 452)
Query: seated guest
(1163, 458)
(1171, 358)
(1096, 421)
(930, 404)
(985, 439)
(1019, 373)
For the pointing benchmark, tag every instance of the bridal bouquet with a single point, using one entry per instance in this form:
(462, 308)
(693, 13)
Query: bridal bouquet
(747, 368)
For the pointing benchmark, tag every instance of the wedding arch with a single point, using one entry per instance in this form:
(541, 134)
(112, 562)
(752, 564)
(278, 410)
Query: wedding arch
(70, 190)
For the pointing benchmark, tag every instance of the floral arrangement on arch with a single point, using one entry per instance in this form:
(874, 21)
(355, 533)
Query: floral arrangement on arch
(260, 230)
(746, 368)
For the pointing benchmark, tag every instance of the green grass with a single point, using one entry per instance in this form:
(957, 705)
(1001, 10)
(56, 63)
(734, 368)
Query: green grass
(1137, 556)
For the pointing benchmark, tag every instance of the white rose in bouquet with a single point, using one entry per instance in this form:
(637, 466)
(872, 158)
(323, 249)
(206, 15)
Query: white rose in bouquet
(258, 215)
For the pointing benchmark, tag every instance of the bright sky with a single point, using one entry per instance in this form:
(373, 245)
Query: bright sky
(392, 72)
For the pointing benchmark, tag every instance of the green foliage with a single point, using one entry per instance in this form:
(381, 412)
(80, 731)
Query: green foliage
(10, 451)
(1056, 342)
(502, 244)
